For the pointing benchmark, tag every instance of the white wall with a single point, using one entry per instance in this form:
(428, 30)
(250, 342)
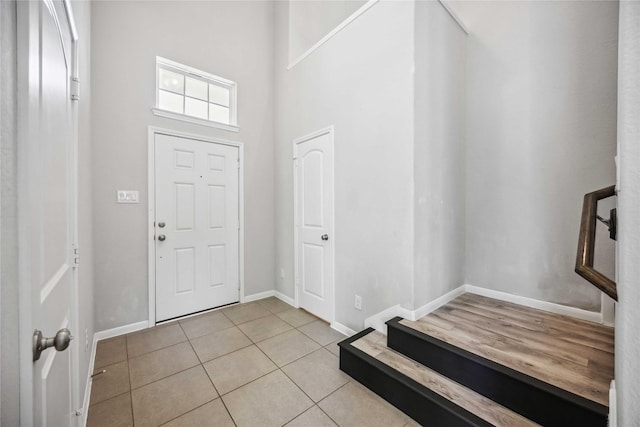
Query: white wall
(230, 39)
(541, 130)
(311, 20)
(439, 153)
(9, 362)
(361, 82)
(627, 315)
(85, 328)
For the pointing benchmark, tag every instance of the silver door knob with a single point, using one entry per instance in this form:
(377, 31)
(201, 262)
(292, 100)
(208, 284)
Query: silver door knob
(60, 342)
(325, 237)
(161, 224)
(162, 237)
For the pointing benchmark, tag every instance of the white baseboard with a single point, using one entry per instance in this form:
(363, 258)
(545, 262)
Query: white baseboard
(437, 303)
(259, 295)
(377, 321)
(121, 330)
(288, 300)
(98, 336)
(343, 329)
(613, 405)
(591, 316)
(608, 309)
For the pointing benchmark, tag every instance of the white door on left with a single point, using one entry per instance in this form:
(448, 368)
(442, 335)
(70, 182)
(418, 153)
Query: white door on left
(47, 203)
(196, 225)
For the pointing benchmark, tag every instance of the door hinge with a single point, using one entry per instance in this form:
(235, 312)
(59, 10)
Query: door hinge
(75, 89)
(238, 162)
(75, 254)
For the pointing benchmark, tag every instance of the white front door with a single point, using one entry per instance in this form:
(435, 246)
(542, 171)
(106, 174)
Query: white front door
(196, 225)
(314, 222)
(47, 203)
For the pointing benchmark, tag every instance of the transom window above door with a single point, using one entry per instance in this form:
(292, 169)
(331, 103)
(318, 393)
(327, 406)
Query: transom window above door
(185, 93)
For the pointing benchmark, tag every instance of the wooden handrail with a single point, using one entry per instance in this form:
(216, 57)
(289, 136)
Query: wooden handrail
(587, 241)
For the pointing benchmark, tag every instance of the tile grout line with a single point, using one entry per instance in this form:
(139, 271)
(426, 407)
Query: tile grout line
(327, 396)
(170, 375)
(278, 368)
(290, 379)
(210, 380)
(126, 349)
(255, 343)
(203, 368)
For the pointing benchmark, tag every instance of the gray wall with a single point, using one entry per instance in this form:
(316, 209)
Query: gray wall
(326, 15)
(9, 363)
(541, 130)
(230, 39)
(85, 328)
(439, 153)
(628, 316)
(360, 81)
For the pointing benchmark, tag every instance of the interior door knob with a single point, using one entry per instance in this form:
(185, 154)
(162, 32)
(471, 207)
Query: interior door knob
(60, 342)
(162, 237)
(325, 237)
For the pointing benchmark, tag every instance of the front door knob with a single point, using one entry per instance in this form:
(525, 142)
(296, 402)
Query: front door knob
(162, 237)
(325, 237)
(60, 342)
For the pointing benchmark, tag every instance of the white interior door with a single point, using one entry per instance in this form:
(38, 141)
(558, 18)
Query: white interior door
(314, 223)
(47, 208)
(196, 225)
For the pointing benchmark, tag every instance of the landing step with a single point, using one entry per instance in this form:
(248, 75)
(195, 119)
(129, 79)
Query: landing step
(423, 394)
(552, 369)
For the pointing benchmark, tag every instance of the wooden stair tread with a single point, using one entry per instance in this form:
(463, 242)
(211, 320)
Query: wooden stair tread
(374, 345)
(541, 317)
(530, 341)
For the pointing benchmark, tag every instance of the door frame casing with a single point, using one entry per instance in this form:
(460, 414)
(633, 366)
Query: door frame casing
(332, 241)
(151, 200)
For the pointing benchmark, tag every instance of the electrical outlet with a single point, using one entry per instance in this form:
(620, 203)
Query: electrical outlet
(86, 340)
(358, 303)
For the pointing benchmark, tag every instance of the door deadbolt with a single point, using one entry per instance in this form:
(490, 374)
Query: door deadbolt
(325, 237)
(60, 342)
(161, 224)
(162, 237)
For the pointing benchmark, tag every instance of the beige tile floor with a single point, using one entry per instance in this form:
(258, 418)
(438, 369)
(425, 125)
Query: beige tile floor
(262, 363)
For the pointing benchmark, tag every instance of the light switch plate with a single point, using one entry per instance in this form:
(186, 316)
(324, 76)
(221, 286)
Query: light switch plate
(127, 196)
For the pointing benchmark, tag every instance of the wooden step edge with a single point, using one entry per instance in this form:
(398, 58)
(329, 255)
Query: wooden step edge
(537, 400)
(420, 403)
(375, 345)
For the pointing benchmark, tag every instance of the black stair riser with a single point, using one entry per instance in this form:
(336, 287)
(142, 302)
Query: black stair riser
(541, 402)
(412, 398)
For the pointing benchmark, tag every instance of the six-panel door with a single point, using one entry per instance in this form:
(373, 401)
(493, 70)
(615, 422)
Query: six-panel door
(197, 225)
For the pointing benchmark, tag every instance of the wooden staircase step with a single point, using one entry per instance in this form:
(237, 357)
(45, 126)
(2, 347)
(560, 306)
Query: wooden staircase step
(511, 358)
(571, 354)
(423, 394)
